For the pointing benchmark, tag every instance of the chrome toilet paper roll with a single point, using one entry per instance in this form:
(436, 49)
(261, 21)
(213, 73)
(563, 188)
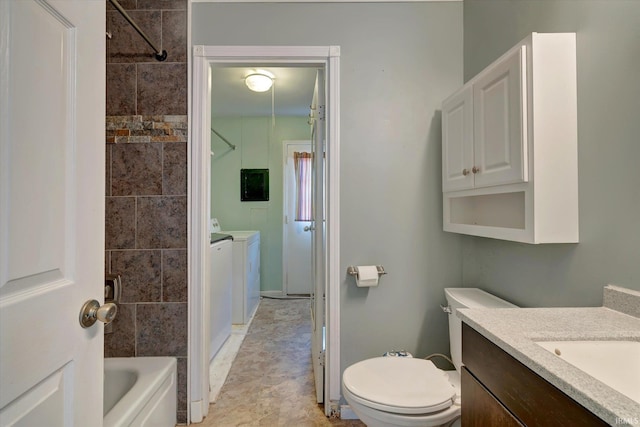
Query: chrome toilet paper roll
(367, 276)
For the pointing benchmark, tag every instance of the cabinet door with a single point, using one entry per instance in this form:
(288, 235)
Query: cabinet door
(480, 408)
(500, 130)
(457, 141)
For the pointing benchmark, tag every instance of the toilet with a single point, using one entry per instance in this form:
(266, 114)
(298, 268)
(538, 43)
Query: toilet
(406, 391)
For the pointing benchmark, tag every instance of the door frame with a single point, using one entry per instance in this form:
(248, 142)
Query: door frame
(199, 203)
(285, 202)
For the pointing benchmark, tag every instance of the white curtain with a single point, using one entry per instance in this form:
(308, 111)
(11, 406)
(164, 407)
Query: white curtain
(302, 166)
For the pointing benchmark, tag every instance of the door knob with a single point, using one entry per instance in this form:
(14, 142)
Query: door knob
(92, 311)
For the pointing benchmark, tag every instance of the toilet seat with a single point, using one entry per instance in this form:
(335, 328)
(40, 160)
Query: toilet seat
(399, 385)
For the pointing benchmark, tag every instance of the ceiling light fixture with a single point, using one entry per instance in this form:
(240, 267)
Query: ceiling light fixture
(259, 81)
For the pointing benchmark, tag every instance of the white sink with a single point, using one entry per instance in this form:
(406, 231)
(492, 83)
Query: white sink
(615, 363)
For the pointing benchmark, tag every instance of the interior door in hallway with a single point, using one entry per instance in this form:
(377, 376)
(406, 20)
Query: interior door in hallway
(52, 180)
(297, 232)
(318, 235)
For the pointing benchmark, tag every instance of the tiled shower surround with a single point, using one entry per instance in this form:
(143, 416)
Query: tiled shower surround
(146, 183)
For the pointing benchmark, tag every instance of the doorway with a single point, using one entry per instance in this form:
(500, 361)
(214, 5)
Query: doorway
(327, 59)
(247, 132)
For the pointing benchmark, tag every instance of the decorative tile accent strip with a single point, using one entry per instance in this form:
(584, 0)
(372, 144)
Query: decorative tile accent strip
(624, 300)
(141, 129)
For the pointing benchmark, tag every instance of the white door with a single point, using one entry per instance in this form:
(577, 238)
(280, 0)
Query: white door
(500, 135)
(297, 234)
(318, 235)
(457, 141)
(52, 160)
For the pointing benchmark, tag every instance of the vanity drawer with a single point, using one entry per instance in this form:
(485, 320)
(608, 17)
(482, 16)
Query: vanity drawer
(480, 408)
(529, 397)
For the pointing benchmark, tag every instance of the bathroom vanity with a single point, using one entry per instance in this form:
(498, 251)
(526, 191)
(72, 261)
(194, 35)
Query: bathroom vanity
(499, 390)
(509, 379)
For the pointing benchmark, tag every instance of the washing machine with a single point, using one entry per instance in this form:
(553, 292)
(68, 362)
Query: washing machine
(218, 293)
(246, 272)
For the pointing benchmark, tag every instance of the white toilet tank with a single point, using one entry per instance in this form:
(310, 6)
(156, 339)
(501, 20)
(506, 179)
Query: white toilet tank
(467, 298)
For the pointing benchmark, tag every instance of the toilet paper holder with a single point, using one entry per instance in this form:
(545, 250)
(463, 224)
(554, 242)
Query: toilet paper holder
(353, 271)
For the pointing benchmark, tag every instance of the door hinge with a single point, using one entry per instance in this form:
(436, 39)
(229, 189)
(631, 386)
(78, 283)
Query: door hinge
(322, 356)
(321, 112)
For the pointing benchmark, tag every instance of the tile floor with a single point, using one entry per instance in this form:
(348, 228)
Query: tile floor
(270, 382)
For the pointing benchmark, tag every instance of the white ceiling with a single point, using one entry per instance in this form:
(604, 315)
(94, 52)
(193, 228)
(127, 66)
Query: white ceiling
(293, 91)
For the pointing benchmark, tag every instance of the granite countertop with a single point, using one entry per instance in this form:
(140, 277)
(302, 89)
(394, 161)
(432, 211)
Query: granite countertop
(515, 330)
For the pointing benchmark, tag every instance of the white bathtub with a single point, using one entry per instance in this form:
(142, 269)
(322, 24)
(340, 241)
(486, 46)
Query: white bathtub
(140, 391)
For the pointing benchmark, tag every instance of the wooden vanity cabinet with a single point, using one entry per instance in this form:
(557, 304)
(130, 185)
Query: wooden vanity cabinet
(480, 408)
(498, 390)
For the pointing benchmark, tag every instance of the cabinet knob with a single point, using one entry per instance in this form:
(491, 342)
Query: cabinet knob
(475, 170)
(465, 172)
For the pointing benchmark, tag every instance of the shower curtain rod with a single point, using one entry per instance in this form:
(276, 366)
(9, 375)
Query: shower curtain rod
(233, 147)
(160, 56)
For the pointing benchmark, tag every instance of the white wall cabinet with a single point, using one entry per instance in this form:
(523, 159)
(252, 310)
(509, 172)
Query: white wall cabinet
(499, 125)
(509, 146)
(484, 130)
(457, 140)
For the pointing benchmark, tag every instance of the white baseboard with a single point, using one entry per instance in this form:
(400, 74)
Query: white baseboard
(197, 414)
(347, 414)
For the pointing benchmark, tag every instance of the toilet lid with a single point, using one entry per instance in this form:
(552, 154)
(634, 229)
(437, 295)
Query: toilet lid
(400, 384)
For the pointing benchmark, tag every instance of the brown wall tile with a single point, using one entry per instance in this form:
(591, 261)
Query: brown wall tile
(107, 262)
(182, 384)
(181, 416)
(107, 178)
(141, 274)
(174, 168)
(126, 4)
(121, 89)
(120, 223)
(162, 222)
(174, 275)
(122, 341)
(162, 88)
(162, 4)
(136, 169)
(147, 135)
(126, 45)
(174, 35)
(161, 329)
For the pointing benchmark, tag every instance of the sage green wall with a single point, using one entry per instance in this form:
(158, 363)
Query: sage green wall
(258, 146)
(608, 61)
(398, 62)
